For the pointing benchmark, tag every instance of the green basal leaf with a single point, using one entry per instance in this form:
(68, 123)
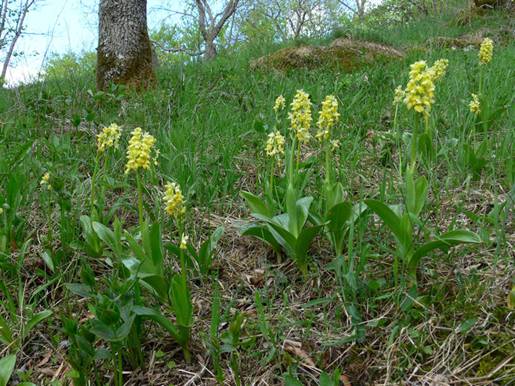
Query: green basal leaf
(181, 301)
(443, 242)
(36, 319)
(155, 315)
(6, 335)
(392, 221)
(262, 233)
(256, 204)
(291, 381)
(7, 364)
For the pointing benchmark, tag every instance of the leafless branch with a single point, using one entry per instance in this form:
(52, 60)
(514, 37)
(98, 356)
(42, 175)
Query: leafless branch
(176, 50)
(19, 23)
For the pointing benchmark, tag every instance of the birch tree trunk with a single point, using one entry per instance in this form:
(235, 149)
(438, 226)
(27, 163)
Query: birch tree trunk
(124, 53)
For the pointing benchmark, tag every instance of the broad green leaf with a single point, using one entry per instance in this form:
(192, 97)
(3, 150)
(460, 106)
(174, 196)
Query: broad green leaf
(256, 204)
(135, 247)
(421, 187)
(45, 255)
(80, 289)
(416, 193)
(407, 231)
(216, 236)
(36, 319)
(156, 249)
(156, 316)
(291, 381)
(338, 217)
(8, 301)
(444, 242)
(288, 241)
(90, 236)
(327, 380)
(283, 220)
(174, 249)
(111, 333)
(6, 335)
(467, 325)
(87, 275)
(102, 331)
(411, 195)
(181, 301)
(151, 279)
(205, 255)
(357, 210)
(262, 233)
(157, 283)
(7, 364)
(334, 194)
(106, 235)
(304, 242)
(124, 330)
(291, 210)
(303, 204)
(392, 221)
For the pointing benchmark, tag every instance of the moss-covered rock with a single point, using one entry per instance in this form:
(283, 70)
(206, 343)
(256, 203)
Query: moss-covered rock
(345, 54)
(480, 9)
(500, 36)
(491, 3)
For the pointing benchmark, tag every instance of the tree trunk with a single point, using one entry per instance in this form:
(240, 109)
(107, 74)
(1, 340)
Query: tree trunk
(210, 52)
(124, 53)
(209, 26)
(360, 8)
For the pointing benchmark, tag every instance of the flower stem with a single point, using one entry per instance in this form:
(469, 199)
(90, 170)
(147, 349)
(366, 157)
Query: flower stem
(298, 158)
(271, 184)
(140, 199)
(413, 159)
(396, 128)
(93, 188)
(291, 161)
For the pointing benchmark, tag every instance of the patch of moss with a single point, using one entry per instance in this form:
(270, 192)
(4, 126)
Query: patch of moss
(343, 54)
(500, 36)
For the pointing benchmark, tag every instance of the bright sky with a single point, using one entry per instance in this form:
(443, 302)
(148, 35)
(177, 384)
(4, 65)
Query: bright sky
(59, 26)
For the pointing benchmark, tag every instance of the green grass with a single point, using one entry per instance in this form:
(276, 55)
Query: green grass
(211, 121)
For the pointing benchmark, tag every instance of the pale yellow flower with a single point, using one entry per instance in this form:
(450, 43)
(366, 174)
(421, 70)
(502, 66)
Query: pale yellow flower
(275, 144)
(328, 117)
(109, 137)
(335, 144)
(486, 51)
(45, 181)
(400, 94)
(417, 68)
(300, 116)
(139, 150)
(184, 242)
(439, 69)
(322, 135)
(475, 104)
(174, 200)
(280, 103)
(420, 90)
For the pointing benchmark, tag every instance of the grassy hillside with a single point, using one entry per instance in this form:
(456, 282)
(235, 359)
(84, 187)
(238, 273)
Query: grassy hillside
(261, 317)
